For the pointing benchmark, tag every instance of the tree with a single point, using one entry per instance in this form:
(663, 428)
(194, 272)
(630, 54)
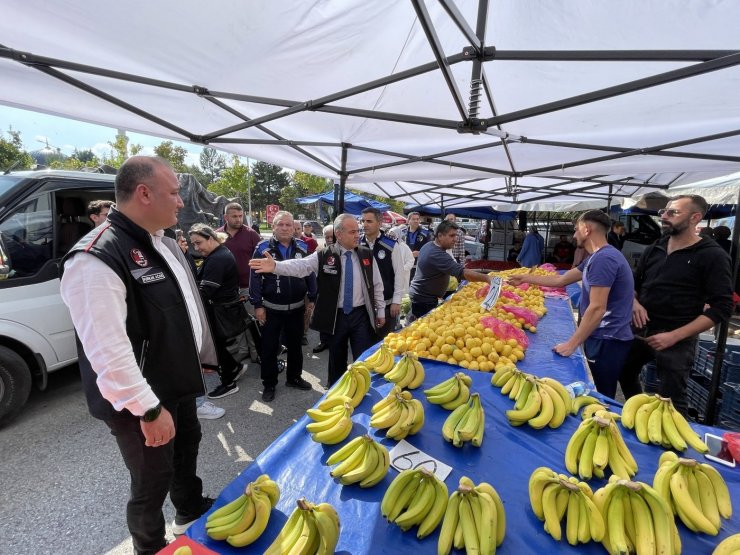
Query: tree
(212, 163)
(175, 155)
(233, 182)
(12, 153)
(121, 151)
(269, 181)
(79, 159)
(303, 184)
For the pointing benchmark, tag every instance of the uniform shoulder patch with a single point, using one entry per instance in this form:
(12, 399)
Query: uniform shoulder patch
(388, 242)
(301, 244)
(262, 246)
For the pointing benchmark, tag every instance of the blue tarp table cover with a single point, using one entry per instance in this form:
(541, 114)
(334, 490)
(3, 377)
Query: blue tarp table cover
(506, 459)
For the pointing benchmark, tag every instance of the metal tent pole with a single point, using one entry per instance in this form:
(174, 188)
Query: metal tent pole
(339, 203)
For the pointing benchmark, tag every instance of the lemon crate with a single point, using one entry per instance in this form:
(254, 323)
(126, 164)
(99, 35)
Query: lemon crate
(704, 362)
(729, 414)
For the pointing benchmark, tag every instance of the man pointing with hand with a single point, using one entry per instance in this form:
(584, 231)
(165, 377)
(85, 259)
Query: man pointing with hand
(350, 303)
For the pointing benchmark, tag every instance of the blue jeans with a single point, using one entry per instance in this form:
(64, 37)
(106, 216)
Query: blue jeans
(606, 357)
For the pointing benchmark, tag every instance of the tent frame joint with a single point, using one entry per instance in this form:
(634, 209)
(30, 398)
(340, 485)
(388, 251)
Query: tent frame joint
(472, 125)
(472, 53)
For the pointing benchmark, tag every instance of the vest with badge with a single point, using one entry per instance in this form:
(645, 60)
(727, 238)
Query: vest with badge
(157, 319)
(273, 290)
(383, 253)
(329, 281)
(421, 239)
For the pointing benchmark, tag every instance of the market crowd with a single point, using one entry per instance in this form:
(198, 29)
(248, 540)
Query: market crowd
(166, 319)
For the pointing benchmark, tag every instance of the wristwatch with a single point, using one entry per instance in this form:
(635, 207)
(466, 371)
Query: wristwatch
(152, 414)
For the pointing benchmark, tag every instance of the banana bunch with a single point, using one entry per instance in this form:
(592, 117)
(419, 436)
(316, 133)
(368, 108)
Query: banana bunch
(242, 521)
(554, 496)
(354, 383)
(332, 425)
(362, 460)
(399, 412)
(655, 420)
(466, 423)
(581, 401)
(474, 520)
(596, 444)
(600, 410)
(310, 529)
(696, 491)
(381, 361)
(415, 498)
(408, 372)
(452, 392)
(538, 402)
(729, 546)
(509, 379)
(638, 520)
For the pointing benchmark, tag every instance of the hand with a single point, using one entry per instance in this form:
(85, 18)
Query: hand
(639, 315)
(517, 279)
(415, 253)
(264, 265)
(261, 315)
(661, 341)
(564, 349)
(160, 431)
(379, 322)
(395, 310)
(309, 306)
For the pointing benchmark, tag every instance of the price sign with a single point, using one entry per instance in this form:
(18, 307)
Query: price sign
(493, 293)
(405, 456)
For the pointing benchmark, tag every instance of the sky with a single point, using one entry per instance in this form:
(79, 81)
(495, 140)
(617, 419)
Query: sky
(66, 134)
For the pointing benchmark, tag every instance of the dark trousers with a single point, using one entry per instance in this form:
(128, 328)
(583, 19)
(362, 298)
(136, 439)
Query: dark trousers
(606, 358)
(420, 309)
(156, 471)
(390, 323)
(290, 323)
(673, 366)
(354, 327)
(227, 365)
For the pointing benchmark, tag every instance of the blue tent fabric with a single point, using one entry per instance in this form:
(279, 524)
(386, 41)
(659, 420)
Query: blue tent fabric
(506, 459)
(353, 204)
(476, 212)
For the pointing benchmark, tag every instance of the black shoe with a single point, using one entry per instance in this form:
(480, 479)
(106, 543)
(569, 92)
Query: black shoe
(223, 391)
(304, 341)
(241, 372)
(182, 523)
(320, 347)
(268, 394)
(299, 383)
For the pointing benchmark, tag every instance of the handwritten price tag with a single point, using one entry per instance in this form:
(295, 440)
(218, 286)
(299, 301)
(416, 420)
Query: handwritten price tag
(405, 456)
(493, 293)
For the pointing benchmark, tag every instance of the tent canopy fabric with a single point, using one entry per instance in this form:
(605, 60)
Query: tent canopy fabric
(353, 204)
(514, 102)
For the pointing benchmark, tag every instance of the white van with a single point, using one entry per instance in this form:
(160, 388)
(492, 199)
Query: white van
(42, 215)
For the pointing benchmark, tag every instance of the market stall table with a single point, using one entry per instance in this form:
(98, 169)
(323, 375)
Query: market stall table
(506, 459)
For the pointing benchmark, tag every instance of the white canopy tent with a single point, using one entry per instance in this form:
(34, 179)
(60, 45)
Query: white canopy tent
(495, 102)
(720, 190)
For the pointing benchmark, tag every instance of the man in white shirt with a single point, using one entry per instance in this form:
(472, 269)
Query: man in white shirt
(140, 358)
(350, 303)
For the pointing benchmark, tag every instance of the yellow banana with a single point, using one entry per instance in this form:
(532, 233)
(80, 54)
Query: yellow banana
(418, 419)
(560, 411)
(663, 523)
(470, 534)
(449, 524)
(410, 374)
(559, 389)
(708, 499)
(183, 550)
(522, 394)
(629, 521)
(226, 514)
(376, 358)
(258, 525)
(329, 423)
(327, 526)
(399, 371)
(387, 363)
(446, 394)
(655, 425)
(690, 514)
(405, 496)
(670, 431)
(729, 546)
(419, 505)
(498, 379)
(436, 512)
(450, 424)
(539, 479)
(529, 411)
(288, 534)
(615, 521)
(387, 416)
(386, 401)
(597, 526)
(581, 401)
(367, 465)
(575, 445)
(683, 427)
(419, 374)
(395, 488)
(631, 406)
(547, 409)
(477, 439)
(509, 384)
(381, 469)
(550, 510)
(724, 503)
(353, 460)
(591, 410)
(244, 520)
(586, 457)
(584, 527)
(362, 387)
(463, 395)
(485, 487)
(343, 387)
(401, 428)
(487, 527)
(601, 447)
(622, 448)
(644, 529)
(642, 417)
(468, 430)
(270, 488)
(667, 456)
(572, 516)
(337, 433)
(324, 408)
(520, 381)
(345, 451)
(308, 541)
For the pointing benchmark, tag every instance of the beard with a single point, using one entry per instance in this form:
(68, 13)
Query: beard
(674, 229)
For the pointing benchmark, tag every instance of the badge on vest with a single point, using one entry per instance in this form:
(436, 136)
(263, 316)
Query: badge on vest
(366, 261)
(330, 261)
(381, 255)
(148, 276)
(138, 257)
(329, 270)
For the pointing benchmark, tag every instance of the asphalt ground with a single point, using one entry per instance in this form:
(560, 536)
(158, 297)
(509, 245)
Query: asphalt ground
(64, 486)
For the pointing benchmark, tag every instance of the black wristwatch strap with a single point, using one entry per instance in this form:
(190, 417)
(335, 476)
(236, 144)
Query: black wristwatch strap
(152, 414)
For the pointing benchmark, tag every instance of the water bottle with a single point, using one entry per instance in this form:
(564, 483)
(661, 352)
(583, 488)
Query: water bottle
(577, 389)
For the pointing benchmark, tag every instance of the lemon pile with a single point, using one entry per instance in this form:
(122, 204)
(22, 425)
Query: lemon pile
(453, 333)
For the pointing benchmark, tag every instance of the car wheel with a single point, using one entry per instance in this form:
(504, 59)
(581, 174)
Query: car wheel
(15, 384)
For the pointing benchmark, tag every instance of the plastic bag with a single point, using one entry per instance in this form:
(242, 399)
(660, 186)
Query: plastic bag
(504, 330)
(520, 312)
(733, 442)
(549, 267)
(513, 296)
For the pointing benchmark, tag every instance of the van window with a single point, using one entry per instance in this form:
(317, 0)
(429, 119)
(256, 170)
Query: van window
(27, 235)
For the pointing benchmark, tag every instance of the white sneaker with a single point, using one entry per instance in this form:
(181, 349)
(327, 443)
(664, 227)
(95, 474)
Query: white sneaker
(209, 411)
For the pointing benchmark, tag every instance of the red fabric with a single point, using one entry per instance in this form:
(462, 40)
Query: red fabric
(311, 243)
(242, 246)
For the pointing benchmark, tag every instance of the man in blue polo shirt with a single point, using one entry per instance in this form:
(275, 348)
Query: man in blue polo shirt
(606, 302)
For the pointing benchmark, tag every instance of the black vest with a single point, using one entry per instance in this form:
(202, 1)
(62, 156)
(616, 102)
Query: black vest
(157, 321)
(329, 280)
(282, 290)
(383, 253)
